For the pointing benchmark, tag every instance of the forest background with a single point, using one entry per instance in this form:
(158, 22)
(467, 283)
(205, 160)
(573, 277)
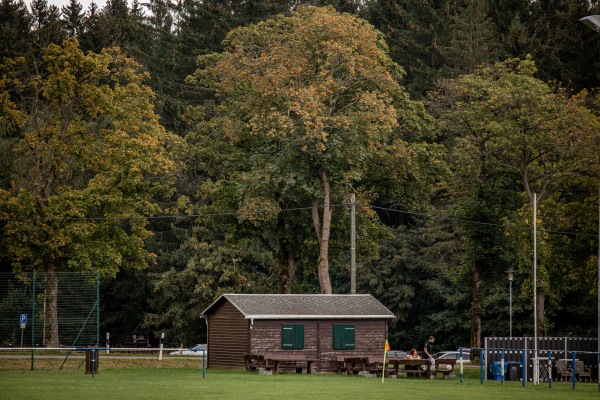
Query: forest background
(144, 142)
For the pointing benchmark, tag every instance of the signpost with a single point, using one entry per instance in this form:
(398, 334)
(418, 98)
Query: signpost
(23, 319)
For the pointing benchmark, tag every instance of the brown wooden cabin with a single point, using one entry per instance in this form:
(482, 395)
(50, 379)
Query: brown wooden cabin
(315, 325)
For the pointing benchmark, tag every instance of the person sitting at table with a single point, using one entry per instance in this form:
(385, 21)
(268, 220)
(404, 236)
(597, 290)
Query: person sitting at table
(412, 355)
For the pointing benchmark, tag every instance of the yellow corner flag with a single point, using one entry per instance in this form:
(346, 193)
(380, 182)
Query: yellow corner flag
(386, 348)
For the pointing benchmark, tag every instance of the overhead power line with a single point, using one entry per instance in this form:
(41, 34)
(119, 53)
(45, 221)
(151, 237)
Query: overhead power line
(230, 214)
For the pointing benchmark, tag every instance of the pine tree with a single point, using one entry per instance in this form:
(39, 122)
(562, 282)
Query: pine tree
(415, 32)
(91, 36)
(72, 17)
(565, 50)
(47, 26)
(15, 24)
(472, 37)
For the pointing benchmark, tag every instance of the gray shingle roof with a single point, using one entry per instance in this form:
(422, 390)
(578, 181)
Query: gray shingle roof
(305, 306)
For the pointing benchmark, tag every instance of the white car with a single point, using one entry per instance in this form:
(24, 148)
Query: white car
(445, 355)
(197, 350)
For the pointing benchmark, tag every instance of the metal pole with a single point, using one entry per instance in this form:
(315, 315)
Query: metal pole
(97, 309)
(33, 283)
(510, 275)
(160, 346)
(593, 22)
(550, 370)
(510, 307)
(535, 330)
(353, 244)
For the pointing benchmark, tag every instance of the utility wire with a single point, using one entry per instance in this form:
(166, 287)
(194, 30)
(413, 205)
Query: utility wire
(230, 214)
(483, 223)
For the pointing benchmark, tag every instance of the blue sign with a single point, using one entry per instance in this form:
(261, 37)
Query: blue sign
(23, 318)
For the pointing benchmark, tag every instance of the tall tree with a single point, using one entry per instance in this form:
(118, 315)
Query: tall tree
(565, 50)
(472, 37)
(91, 36)
(513, 19)
(314, 96)
(511, 132)
(73, 18)
(15, 24)
(47, 27)
(98, 158)
(416, 32)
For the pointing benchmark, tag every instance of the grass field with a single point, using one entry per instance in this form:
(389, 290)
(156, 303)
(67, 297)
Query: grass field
(180, 381)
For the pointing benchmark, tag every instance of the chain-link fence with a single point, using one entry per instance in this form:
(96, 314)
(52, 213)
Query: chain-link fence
(25, 316)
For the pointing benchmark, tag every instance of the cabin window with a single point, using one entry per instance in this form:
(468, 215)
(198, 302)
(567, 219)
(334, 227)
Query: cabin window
(343, 337)
(292, 336)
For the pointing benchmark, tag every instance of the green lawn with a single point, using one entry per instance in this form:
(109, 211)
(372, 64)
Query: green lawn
(187, 383)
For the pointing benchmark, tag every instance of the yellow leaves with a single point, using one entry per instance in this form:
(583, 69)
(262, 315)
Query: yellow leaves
(258, 209)
(317, 85)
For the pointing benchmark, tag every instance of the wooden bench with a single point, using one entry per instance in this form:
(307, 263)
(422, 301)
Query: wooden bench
(355, 365)
(412, 367)
(377, 364)
(341, 364)
(256, 361)
(299, 362)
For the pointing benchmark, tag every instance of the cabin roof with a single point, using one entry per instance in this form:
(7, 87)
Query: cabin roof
(305, 306)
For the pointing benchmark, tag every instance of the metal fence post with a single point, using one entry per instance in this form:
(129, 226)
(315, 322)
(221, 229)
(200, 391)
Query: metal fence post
(33, 283)
(549, 370)
(481, 369)
(574, 371)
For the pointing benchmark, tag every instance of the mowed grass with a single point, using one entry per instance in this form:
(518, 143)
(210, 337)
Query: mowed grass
(114, 383)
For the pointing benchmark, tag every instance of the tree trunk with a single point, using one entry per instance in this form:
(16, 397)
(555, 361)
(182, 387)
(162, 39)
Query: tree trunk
(476, 309)
(290, 275)
(286, 272)
(323, 232)
(541, 320)
(51, 325)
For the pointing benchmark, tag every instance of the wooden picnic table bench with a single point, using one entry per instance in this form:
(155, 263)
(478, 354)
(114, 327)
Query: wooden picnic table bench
(274, 362)
(296, 361)
(395, 366)
(415, 367)
(409, 367)
(355, 364)
(360, 364)
(255, 361)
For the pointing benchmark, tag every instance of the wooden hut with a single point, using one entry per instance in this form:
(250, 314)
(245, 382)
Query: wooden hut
(314, 325)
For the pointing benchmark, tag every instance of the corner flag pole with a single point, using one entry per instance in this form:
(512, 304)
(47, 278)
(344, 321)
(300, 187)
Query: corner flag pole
(386, 348)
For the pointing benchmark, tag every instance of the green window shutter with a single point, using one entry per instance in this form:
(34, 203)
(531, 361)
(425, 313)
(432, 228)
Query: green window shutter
(343, 337)
(292, 336)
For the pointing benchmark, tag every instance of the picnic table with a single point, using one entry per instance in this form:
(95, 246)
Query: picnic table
(443, 367)
(396, 366)
(358, 364)
(409, 367)
(276, 361)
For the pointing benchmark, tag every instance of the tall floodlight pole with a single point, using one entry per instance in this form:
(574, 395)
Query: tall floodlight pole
(509, 275)
(593, 22)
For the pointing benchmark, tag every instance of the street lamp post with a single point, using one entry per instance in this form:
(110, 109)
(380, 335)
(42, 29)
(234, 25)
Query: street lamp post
(593, 22)
(509, 275)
